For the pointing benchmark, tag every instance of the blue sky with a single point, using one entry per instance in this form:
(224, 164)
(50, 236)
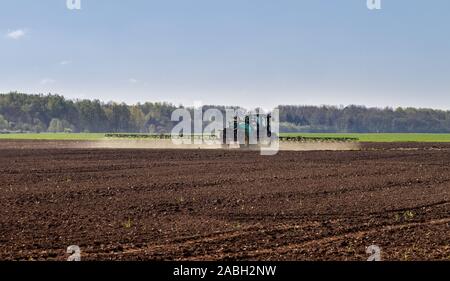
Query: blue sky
(244, 52)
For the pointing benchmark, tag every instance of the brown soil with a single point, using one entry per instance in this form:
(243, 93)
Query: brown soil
(219, 205)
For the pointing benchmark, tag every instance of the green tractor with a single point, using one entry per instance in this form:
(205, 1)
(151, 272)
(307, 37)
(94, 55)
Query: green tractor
(249, 131)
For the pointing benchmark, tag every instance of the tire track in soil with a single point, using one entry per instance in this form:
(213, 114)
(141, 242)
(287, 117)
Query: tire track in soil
(228, 235)
(353, 234)
(213, 237)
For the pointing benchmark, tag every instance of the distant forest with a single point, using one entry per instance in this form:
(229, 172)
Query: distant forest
(53, 113)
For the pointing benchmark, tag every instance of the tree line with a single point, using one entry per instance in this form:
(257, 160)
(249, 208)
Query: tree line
(360, 119)
(54, 113)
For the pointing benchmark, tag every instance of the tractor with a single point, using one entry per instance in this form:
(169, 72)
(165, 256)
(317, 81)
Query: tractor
(249, 131)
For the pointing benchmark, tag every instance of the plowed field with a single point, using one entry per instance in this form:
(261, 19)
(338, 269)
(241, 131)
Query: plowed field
(131, 204)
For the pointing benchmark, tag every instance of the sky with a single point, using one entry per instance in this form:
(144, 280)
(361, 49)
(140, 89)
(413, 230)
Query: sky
(230, 52)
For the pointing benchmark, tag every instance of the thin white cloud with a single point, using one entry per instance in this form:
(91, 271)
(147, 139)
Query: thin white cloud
(47, 81)
(65, 62)
(16, 34)
(132, 81)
